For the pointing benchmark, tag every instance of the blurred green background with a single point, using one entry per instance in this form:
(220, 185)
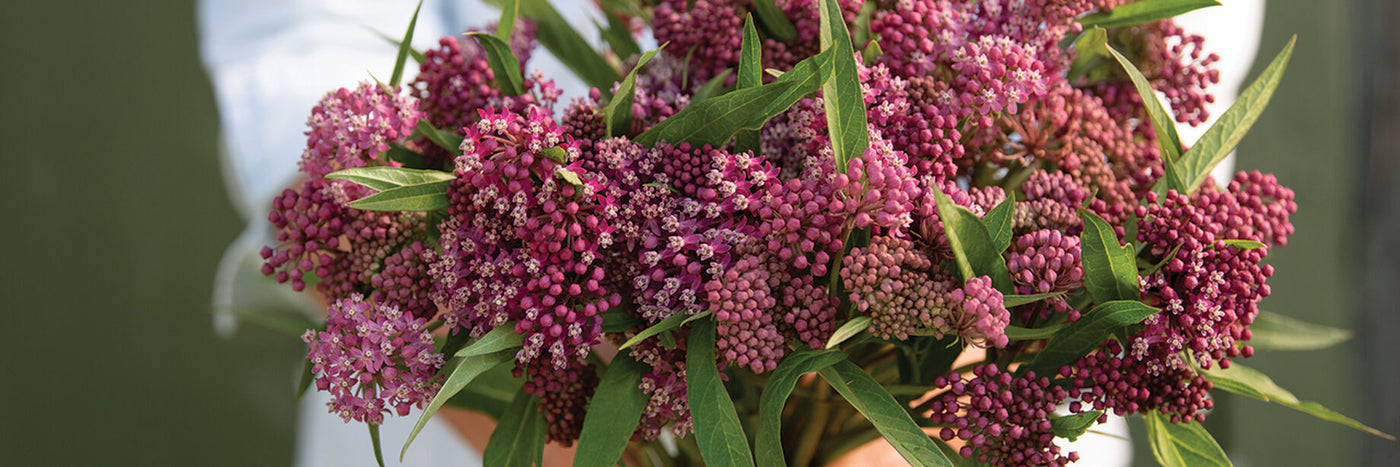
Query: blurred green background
(118, 217)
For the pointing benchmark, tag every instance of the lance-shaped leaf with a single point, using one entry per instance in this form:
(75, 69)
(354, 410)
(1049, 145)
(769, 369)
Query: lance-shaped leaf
(619, 37)
(560, 38)
(613, 413)
(462, 372)
(1247, 381)
(1225, 134)
(846, 331)
(750, 76)
(1096, 41)
(384, 178)
(1182, 444)
(506, 25)
(713, 87)
(1000, 224)
(518, 440)
(1018, 300)
(405, 46)
(1017, 333)
(429, 196)
(503, 63)
(417, 56)
(774, 20)
(1244, 244)
(768, 444)
(489, 393)
(1071, 427)
(450, 141)
(1273, 331)
(716, 119)
(1110, 272)
(374, 441)
(972, 245)
(618, 113)
(879, 407)
(671, 322)
(498, 339)
(1146, 11)
(841, 95)
(716, 424)
(617, 320)
(1079, 338)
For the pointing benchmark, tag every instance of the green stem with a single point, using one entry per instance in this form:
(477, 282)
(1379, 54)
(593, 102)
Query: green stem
(812, 431)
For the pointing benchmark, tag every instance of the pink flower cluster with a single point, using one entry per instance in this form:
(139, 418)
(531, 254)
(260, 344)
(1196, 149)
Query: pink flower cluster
(373, 360)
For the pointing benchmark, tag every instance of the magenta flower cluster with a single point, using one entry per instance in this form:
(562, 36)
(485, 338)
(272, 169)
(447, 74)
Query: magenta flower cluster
(373, 360)
(1003, 419)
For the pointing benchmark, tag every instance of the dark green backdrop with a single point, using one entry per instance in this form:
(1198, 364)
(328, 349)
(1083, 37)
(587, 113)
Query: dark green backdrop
(115, 217)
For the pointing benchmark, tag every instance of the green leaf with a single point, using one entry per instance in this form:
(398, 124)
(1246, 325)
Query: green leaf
(385, 178)
(1079, 338)
(716, 424)
(416, 55)
(374, 441)
(1246, 381)
(872, 53)
(861, 34)
(1018, 300)
(503, 63)
(405, 45)
(711, 87)
(1110, 271)
(841, 95)
(307, 376)
(1017, 333)
(972, 246)
(1095, 41)
(618, 320)
(1181, 444)
(1071, 427)
(775, 22)
(1225, 133)
(619, 37)
(846, 331)
(498, 339)
(429, 196)
(613, 414)
(557, 36)
(750, 76)
(519, 438)
(1000, 222)
(716, 119)
(489, 393)
(671, 322)
(409, 158)
(751, 54)
(452, 142)
(1273, 331)
(1146, 11)
(463, 371)
(768, 445)
(618, 113)
(506, 25)
(880, 408)
(1244, 244)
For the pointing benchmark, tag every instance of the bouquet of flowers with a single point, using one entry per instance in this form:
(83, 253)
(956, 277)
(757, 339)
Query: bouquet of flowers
(967, 227)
